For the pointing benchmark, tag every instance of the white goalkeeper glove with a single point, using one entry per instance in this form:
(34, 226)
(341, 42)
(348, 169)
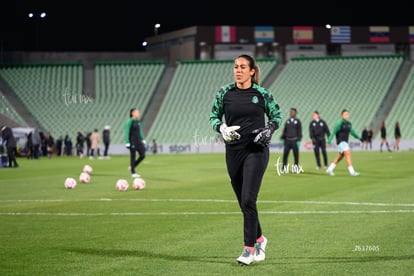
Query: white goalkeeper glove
(127, 145)
(229, 133)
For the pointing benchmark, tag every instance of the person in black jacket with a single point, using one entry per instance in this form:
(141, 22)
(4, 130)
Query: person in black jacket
(291, 136)
(88, 143)
(106, 136)
(384, 139)
(369, 139)
(397, 136)
(68, 145)
(318, 130)
(364, 138)
(49, 142)
(36, 140)
(11, 145)
(80, 144)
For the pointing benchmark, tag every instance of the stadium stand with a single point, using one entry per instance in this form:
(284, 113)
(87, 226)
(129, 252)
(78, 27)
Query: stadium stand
(402, 111)
(184, 114)
(7, 110)
(53, 93)
(330, 84)
(42, 88)
(121, 86)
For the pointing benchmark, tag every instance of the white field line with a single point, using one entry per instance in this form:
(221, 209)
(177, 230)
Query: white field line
(302, 212)
(219, 201)
(203, 213)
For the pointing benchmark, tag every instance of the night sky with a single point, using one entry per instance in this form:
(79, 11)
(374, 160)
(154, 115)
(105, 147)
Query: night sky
(123, 25)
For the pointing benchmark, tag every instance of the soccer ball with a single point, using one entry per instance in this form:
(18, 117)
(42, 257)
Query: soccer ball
(122, 185)
(87, 169)
(139, 183)
(70, 183)
(84, 177)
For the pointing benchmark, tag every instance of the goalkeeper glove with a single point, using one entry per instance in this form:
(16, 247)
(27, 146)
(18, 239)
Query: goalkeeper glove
(229, 133)
(264, 134)
(128, 145)
(298, 144)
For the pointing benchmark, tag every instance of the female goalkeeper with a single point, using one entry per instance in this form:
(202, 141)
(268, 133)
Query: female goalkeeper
(244, 105)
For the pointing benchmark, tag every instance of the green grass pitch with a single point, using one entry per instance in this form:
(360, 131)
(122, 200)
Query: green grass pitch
(187, 222)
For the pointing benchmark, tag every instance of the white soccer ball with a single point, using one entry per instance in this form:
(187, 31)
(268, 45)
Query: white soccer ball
(70, 183)
(84, 177)
(139, 183)
(122, 185)
(87, 169)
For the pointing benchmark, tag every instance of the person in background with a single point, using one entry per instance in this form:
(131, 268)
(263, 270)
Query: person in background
(80, 144)
(95, 143)
(318, 130)
(364, 138)
(49, 142)
(68, 145)
(43, 147)
(384, 137)
(10, 141)
(88, 143)
(245, 104)
(370, 135)
(3, 152)
(397, 136)
(106, 137)
(135, 140)
(28, 150)
(291, 137)
(36, 141)
(341, 131)
(154, 146)
(59, 146)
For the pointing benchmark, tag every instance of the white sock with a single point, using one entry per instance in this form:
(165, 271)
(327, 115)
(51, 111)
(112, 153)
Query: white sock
(351, 169)
(331, 167)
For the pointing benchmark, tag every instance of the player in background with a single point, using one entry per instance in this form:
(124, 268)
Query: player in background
(384, 137)
(291, 136)
(397, 136)
(364, 137)
(318, 129)
(341, 131)
(244, 105)
(370, 135)
(135, 141)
